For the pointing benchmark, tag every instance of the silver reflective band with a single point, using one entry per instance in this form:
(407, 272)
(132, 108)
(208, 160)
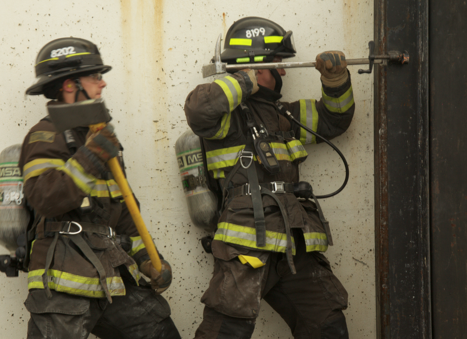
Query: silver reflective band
(278, 187)
(68, 232)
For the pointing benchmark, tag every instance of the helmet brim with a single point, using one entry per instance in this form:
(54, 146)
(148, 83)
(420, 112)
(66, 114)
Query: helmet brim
(41, 81)
(231, 55)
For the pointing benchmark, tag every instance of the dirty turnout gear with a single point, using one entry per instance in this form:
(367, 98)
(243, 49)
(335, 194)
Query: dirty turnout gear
(140, 314)
(265, 233)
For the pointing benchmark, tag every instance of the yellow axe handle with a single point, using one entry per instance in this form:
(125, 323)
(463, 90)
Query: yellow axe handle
(132, 206)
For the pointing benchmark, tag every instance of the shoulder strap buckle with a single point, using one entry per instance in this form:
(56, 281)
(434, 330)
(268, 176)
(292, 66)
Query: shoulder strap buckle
(247, 155)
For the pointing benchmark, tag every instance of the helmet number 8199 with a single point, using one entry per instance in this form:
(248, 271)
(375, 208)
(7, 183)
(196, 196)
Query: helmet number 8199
(62, 51)
(251, 33)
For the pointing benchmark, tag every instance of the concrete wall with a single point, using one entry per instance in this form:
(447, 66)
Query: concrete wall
(157, 49)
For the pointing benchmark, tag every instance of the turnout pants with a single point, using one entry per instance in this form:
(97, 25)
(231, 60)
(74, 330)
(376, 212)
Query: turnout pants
(141, 313)
(310, 302)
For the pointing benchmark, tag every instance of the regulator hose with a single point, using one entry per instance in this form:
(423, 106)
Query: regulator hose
(289, 115)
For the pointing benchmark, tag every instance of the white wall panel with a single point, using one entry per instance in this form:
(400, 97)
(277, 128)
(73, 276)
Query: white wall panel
(157, 49)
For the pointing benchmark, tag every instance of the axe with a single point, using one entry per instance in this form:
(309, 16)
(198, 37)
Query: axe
(218, 67)
(94, 114)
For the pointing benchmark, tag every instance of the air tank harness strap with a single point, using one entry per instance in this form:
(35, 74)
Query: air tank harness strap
(257, 201)
(72, 228)
(73, 231)
(256, 191)
(274, 187)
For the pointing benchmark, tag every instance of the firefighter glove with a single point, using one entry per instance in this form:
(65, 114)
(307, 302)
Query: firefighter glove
(103, 143)
(252, 75)
(160, 281)
(333, 68)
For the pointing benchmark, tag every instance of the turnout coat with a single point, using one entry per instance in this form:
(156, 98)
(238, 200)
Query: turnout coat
(66, 189)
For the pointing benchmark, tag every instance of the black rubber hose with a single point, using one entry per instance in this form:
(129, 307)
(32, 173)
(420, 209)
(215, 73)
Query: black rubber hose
(334, 147)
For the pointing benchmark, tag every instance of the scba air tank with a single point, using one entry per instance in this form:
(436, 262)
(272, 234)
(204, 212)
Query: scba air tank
(14, 217)
(202, 203)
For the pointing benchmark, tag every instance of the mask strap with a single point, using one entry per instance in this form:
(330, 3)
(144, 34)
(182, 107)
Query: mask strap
(278, 79)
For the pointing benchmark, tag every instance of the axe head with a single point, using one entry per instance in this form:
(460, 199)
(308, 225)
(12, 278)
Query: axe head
(218, 66)
(82, 113)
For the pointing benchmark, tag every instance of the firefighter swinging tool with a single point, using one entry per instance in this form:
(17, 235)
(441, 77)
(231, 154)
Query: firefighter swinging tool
(94, 114)
(219, 67)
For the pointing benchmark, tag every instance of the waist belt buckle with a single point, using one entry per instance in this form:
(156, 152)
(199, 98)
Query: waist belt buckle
(247, 189)
(278, 187)
(68, 231)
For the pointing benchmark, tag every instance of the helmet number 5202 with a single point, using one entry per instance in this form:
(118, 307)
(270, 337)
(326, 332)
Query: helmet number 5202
(62, 51)
(251, 33)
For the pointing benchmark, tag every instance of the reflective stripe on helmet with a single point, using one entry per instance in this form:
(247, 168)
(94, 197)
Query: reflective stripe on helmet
(240, 42)
(243, 60)
(72, 55)
(259, 58)
(340, 104)
(45, 61)
(273, 39)
(308, 117)
(75, 284)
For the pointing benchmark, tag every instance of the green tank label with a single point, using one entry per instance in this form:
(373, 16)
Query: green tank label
(10, 172)
(189, 160)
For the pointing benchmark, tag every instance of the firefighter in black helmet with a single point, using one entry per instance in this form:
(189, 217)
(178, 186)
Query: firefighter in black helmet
(270, 235)
(87, 256)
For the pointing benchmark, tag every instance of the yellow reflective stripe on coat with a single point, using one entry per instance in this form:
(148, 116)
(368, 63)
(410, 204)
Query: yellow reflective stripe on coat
(75, 284)
(225, 126)
(136, 245)
(224, 157)
(296, 150)
(253, 261)
(37, 167)
(290, 151)
(232, 91)
(340, 104)
(87, 183)
(246, 236)
(316, 241)
(228, 157)
(308, 117)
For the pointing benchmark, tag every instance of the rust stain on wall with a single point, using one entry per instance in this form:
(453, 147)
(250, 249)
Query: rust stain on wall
(143, 44)
(224, 25)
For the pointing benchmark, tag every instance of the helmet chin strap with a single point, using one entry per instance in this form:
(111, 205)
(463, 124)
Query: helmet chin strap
(81, 89)
(278, 79)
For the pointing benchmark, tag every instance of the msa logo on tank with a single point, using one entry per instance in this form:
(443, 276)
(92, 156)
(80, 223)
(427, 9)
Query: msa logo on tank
(62, 51)
(11, 183)
(192, 158)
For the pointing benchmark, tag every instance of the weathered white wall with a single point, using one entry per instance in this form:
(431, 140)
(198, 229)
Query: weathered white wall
(157, 49)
